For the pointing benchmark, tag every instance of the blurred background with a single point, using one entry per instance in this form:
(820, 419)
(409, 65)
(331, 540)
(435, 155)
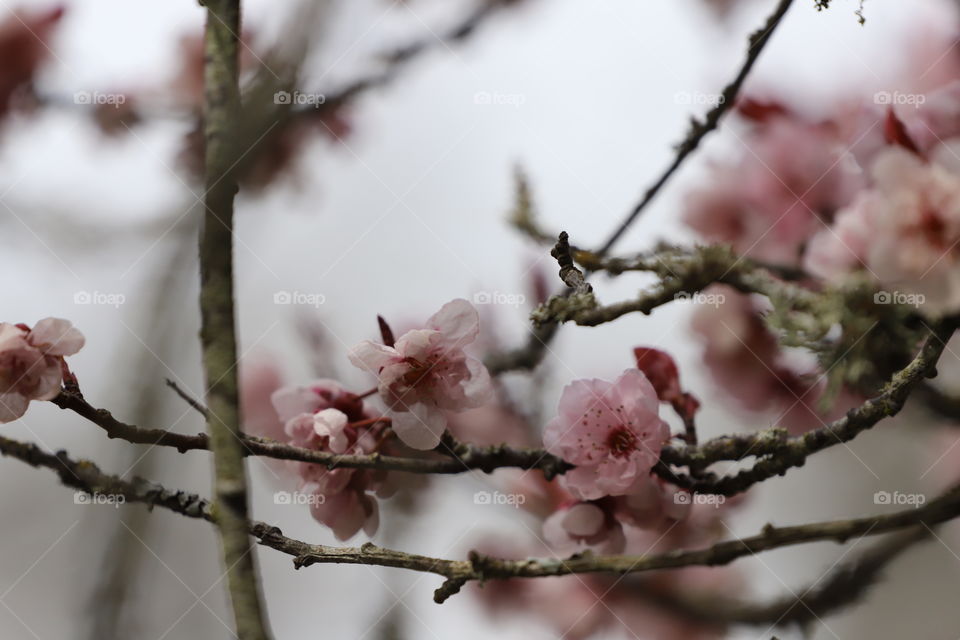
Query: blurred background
(393, 203)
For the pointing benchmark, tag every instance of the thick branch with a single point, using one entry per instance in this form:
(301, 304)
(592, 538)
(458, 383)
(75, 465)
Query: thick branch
(218, 332)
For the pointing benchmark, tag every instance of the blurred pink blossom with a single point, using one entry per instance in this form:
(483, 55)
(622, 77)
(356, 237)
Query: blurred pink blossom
(259, 379)
(583, 525)
(653, 503)
(783, 188)
(904, 231)
(745, 359)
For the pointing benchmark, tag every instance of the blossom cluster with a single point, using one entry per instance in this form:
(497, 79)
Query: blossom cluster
(873, 190)
(611, 433)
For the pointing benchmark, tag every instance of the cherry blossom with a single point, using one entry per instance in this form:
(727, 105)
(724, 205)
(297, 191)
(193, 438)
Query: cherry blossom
(581, 525)
(904, 231)
(31, 363)
(612, 432)
(653, 503)
(325, 417)
(427, 373)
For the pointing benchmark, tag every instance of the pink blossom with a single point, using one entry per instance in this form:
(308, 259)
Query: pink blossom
(582, 525)
(653, 503)
(347, 512)
(325, 417)
(905, 231)
(426, 373)
(290, 402)
(612, 432)
(31, 363)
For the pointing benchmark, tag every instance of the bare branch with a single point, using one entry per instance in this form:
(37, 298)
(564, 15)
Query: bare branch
(86, 476)
(844, 586)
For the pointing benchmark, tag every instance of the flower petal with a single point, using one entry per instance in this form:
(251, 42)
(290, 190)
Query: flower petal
(371, 356)
(56, 337)
(420, 427)
(458, 323)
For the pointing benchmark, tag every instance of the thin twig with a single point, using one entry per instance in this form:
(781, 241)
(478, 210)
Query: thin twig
(467, 456)
(698, 130)
(190, 400)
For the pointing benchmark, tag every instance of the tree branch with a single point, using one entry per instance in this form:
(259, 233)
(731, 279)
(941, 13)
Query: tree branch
(842, 587)
(465, 457)
(778, 453)
(86, 476)
(776, 450)
(218, 331)
(682, 272)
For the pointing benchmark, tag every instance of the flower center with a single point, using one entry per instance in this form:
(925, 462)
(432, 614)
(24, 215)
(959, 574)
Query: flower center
(621, 441)
(418, 370)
